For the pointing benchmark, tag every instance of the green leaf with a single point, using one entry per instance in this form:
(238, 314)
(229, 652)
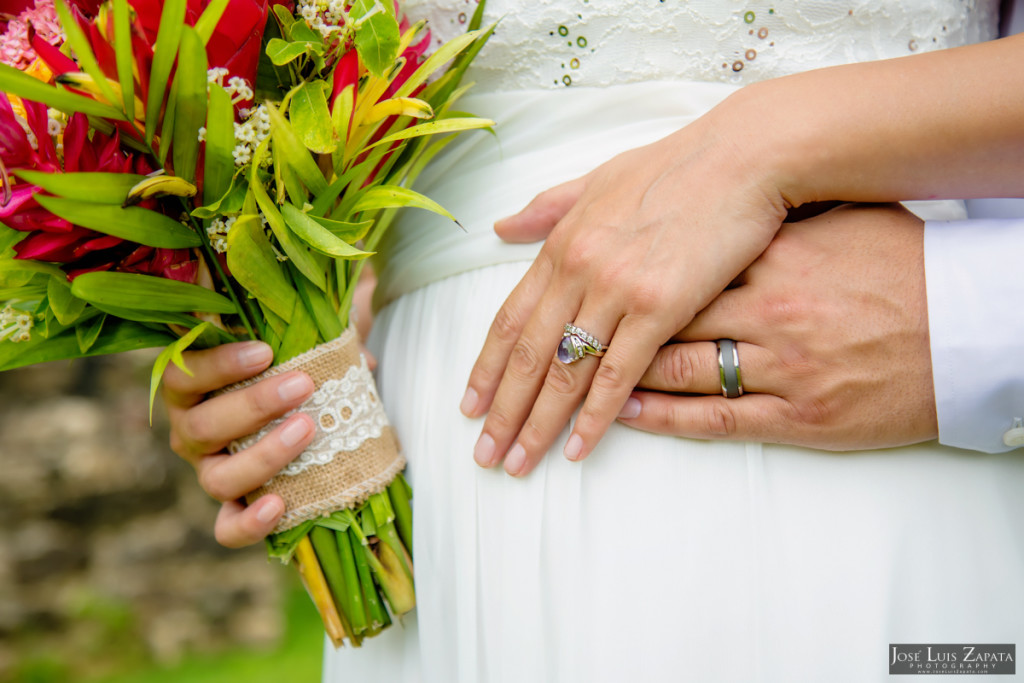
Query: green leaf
(311, 118)
(79, 44)
(114, 338)
(190, 103)
(284, 16)
(133, 223)
(317, 236)
(167, 126)
(297, 252)
(300, 31)
(14, 82)
(15, 272)
(341, 117)
(172, 354)
(393, 196)
(349, 232)
(165, 51)
(300, 336)
(435, 61)
(377, 34)
(220, 143)
(435, 127)
(254, 265)
(282, 52)
(453, 76)
(209, 19)
(97, 188)
(147, 292)
(88, 332)
(65, 306)
(324, 315)
(123, 56)
(274, 329)
(154, 317)
(230, 204)
(294, 153)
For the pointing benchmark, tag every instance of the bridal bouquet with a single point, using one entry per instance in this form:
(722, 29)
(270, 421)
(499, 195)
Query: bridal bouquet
(182, 173)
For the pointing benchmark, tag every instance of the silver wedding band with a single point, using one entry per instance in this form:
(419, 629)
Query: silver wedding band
(729, 369)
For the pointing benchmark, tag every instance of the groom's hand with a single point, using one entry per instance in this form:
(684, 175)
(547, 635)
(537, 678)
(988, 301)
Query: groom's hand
(832, 331)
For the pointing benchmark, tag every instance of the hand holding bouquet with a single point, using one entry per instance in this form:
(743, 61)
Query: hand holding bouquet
(184, 173)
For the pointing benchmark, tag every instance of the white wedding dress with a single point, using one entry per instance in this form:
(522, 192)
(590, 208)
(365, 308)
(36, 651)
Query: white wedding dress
(658, 559)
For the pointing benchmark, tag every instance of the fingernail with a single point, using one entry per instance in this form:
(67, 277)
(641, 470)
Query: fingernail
(483, 452)
(270, 510)
(631, 409)
(294, 387)
(515, 460)
(574, 447)
(294, 432)
(469, 401)
(255, 355)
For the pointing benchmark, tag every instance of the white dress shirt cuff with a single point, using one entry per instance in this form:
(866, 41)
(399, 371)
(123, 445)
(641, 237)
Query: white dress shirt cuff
(976, 321)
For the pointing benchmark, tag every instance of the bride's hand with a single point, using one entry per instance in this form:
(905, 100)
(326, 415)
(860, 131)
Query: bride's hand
(636, 248)
(202, 428)
(832, 330)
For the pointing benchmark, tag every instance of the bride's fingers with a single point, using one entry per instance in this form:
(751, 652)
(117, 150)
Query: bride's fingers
(504, 333)
(751, 417)
(238, 526)
(210, 426)
(528, 362)
(213, 369)
(564, 387)
(629, 353)
(540, 216)
(227, 477)
(692, 368)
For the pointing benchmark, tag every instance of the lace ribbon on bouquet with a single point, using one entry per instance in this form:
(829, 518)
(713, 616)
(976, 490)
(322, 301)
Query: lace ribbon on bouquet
(354, 453)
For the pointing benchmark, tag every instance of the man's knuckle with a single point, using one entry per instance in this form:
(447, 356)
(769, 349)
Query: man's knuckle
(814, 412)
(721, 421)
(679, 368)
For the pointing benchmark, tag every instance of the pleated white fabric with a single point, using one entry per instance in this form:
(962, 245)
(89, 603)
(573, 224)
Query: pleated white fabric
(662, 559)
(656, 559)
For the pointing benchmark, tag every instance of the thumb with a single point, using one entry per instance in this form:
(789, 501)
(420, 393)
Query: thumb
(536, 221)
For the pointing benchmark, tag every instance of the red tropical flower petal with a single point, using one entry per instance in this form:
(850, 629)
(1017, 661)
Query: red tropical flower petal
(45, 246)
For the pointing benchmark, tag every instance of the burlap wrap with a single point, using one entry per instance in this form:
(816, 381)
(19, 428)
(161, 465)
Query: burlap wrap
(328, 477)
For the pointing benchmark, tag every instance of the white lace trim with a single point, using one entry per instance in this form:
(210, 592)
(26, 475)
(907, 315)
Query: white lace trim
(557, 43)
(348, 412)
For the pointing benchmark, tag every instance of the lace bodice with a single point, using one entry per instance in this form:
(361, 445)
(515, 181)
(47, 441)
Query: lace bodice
(560, 43)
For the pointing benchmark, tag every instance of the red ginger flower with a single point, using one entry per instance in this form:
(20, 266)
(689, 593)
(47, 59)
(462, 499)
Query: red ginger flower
(54, 239)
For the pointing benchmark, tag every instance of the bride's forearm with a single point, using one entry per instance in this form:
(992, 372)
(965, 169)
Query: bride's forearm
(947, 124)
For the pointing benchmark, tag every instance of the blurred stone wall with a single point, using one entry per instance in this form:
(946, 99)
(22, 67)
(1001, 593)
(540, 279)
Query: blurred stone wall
(106, 545)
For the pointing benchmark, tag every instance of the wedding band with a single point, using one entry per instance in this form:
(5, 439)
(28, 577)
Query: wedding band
(577, 343)
(729, 368)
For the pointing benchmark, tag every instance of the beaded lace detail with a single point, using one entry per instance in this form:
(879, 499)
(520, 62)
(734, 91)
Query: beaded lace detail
(560, 43)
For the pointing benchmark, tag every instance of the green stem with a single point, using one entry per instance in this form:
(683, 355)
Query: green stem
(357, 608)
(398, 491)
(378, 615)
(330, 564)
